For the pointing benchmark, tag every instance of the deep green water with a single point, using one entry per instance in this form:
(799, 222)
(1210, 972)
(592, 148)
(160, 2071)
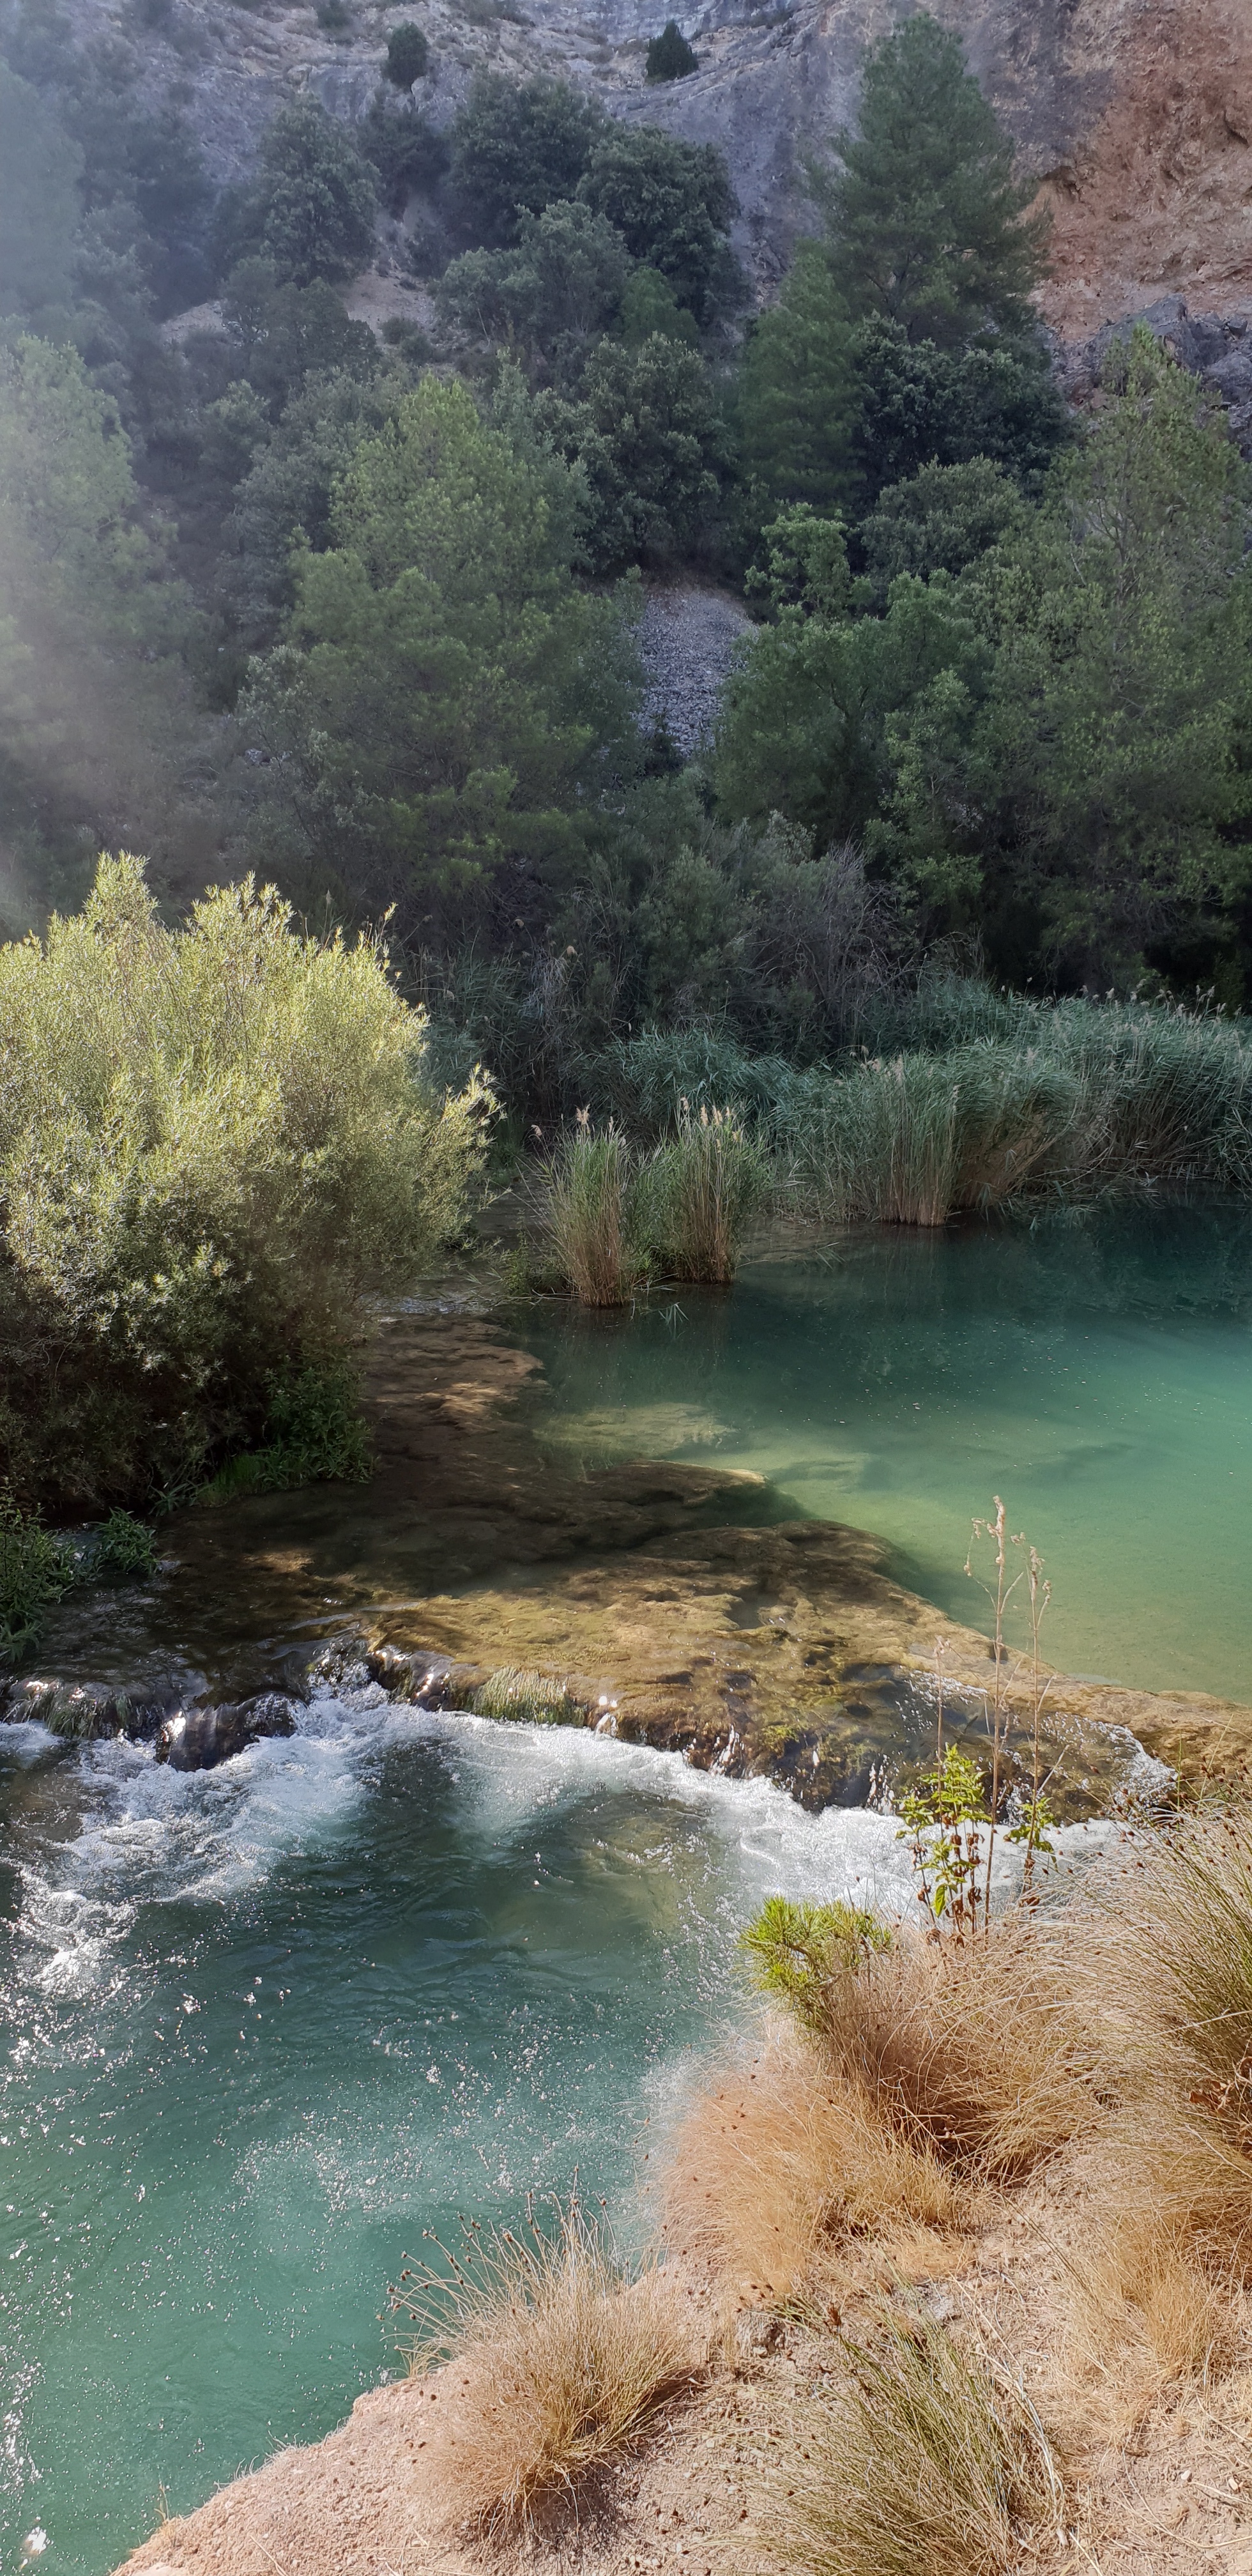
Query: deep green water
(1096, 1374)
(265, 2025)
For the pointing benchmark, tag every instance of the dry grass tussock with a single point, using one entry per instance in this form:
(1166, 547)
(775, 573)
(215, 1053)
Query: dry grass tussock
(927, 2460)
(556, 2365)
(780, 2159)
(979, 2050)
(1140, 2312)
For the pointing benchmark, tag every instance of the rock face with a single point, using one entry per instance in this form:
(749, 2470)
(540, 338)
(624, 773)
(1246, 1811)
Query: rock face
(1135, 115)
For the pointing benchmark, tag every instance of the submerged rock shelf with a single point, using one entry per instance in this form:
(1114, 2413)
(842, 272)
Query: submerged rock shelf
(656, 1601)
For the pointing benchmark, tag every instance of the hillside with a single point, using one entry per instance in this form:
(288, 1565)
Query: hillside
(1136, 114)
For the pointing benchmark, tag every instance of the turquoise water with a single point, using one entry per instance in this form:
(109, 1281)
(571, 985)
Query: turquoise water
(1096, 1374)
(267, 2024)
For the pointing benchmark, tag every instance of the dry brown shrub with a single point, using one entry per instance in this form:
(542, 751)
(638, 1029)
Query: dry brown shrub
(778, 2157)
(980, 2049)
(557, 2365)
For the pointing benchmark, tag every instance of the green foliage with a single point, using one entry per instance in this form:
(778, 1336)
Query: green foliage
(123, 1545)
(799, 398)
(407, 153)
(924, 212)
(312, 209)
(444, 691)
(284, 333)
(211, 1140)
(516, 147)
(289, 488)
(1089, 747)
(941, 1823)
(525, 1698)
(593, 1224)
(673, 204)
(941, 520)
(669, 56)
(701, 1187)
(36, 1569)
(312, 1433)
(40, 211)
(918, 404)
(649, 305)
(561, 283)
(806, 563)
(646, 434)
(407, 56)
(800, 1951)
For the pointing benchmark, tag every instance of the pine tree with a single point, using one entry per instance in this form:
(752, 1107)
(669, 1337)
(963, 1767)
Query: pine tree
(925, 215)
(670, 57)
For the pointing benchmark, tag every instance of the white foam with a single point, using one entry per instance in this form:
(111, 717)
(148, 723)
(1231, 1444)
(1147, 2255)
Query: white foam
(158, 1835)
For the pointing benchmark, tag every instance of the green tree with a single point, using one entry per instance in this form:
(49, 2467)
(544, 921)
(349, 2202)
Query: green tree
(646, 433)
(287, 494)
(312, 209)
(211, 1140)
(673, 205)
(517, 146)
(40, 169)
(799, 401)
(940, 520)
(918, 404)
(669, 56)
(284, 333)
(445, 696)
(926, 219)
(562, 282)
(407, 56)
(649, 305)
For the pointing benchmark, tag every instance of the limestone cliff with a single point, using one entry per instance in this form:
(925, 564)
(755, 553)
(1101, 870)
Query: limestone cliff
(1136, 115)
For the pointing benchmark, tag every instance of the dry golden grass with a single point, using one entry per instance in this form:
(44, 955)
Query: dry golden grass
(926, 2464)
(557, 2366)
(780, 2158)
(1141, 2311)
(980, 2049)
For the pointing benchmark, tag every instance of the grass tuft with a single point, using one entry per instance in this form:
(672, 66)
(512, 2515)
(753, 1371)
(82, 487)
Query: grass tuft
(527, 1698)
(557, 2365)
(703, 1184)
(591, 1221)
(927, 2463)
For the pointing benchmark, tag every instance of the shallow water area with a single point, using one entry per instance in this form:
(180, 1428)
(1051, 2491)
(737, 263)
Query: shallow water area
(1096, 1372)
(267, 2024)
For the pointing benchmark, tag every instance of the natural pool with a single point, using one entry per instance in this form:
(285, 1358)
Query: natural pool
(268, 2023)
(1097, 1373)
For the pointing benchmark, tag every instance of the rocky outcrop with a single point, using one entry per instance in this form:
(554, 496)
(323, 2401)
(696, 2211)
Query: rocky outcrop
(1135, 115)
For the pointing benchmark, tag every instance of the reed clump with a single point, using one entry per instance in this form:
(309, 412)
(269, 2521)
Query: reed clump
(526, 1698)
(591, 1218)
(703, 1185)
(557, 2365)
(926, 2460)
(1075, 1100)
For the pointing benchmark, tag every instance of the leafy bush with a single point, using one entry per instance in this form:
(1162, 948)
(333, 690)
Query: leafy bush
(313, 1433)
(646, 434)
(669, 56)
(673, 205)
(563, 280)
(123, 1545)
(516, 147)
(311, 210)
(211, 1140)
(36, 1568)
(407, 56)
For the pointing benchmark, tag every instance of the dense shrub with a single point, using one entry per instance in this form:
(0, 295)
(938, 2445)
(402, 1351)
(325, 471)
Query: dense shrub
(311, 210)
(673, 204)
(669, 56)
(408, 55)
(211, 1140)
(516, 148)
